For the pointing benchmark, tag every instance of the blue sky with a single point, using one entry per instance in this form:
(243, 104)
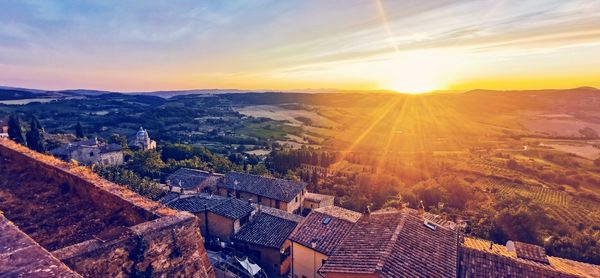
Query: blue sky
(400, 45)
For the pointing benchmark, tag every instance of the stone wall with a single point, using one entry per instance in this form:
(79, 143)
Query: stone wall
(155, 240)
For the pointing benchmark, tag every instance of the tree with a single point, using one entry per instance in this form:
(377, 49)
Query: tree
(118, 139)
(79, 130)
(147, 163)
(15, 131)
(35, 136)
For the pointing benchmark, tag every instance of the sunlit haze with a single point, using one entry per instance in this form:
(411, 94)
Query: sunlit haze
(405, 46)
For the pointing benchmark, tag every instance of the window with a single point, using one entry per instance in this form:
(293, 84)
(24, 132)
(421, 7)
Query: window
(296, 198)
(259, 199)
(244, 220)
(277, 204)
(286, 253)
(323, 261)
(237, 194)
(91, 153)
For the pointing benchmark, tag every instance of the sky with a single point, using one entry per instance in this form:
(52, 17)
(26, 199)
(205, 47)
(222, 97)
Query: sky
(407, 46)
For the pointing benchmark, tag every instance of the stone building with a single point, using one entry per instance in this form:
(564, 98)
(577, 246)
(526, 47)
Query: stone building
(394, 243)
(91, 151)
(314, 201)
(3, 127)
(265, 240)
(516, 259)
(192, 180)
(220, 217)
(317, 237)
(282, 194)
(142, 141)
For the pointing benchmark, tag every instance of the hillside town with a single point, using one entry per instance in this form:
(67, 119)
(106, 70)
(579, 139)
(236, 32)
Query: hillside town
(263, 226)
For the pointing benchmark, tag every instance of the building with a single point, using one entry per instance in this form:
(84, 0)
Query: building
(265, 240)
(317, 237)
(220, 217)
(142, 140)
(394, 243)
(3, 127)
(314, 200)
(194, 180)
(276, 193)
(91, 151)
(486, 259)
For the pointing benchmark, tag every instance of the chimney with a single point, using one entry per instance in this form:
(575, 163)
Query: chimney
(421, 210)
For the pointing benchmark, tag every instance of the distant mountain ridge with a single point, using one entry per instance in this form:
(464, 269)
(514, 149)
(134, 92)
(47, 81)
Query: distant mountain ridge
(16, 93)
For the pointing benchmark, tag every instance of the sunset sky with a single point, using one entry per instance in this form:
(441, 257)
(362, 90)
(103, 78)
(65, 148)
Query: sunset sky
(409, 46)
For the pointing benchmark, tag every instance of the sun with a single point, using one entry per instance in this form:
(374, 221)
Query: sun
(416, 86)
(418, 72)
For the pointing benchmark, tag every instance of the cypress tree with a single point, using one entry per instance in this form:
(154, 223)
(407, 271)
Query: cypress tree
(14, 129)
(35, 136)
(79, 130)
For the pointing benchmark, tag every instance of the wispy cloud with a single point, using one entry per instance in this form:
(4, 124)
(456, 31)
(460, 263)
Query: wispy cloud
(296, 39)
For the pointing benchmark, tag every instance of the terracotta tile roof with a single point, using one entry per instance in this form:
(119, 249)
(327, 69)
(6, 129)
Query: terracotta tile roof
(531, 252)
(318, 198)
(341, 213)
(282, 214)
(190, 178)
(227, 207)
(482, 258)
(266, 230)
(168, 196)
(277, 189)
(439, 220)
(395, 244)
(323, 231)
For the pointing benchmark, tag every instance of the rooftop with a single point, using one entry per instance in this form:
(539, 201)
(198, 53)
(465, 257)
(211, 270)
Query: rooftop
(266, 230)
(318, 198)
(341, 213)
(225, 206)
(395, 243)
(322, 231)
(190, 178)
(278, 189)
(501, 260)
(65, 150)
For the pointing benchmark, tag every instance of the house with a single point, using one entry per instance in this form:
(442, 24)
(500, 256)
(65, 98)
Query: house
(265, 239)
(486, 259)
(394, 243)
(194, 180)
(3, 127)
(91, 151)
(276, 193)
(220, 217)
(142, 140)
(317, 237)
(314, 200)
